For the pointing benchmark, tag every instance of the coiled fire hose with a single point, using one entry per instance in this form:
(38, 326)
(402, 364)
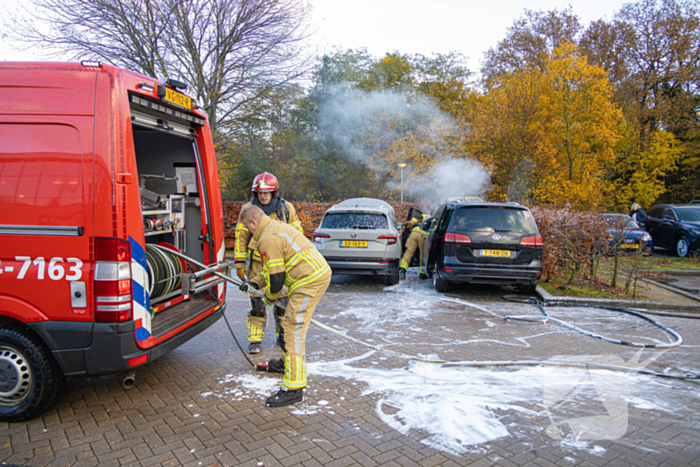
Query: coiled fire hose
(465, 363)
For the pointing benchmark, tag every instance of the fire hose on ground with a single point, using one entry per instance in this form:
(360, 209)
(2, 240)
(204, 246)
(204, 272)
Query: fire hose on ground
(491, 363)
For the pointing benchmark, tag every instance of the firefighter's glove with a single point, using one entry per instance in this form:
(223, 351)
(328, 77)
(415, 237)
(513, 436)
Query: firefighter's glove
(402, 273)
(241, 274)
(247, 285)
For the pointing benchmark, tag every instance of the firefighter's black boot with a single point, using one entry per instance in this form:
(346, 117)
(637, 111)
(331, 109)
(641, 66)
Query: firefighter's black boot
(254, 347)
(402, 274)
(273, 366)
(282, 398)
(423, 276)
(276, 365)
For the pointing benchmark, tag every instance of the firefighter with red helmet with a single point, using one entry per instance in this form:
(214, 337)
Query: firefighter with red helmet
(247, 260)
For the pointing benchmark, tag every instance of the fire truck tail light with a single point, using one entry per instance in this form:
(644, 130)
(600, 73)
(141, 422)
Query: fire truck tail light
(113, 316)
(112, 249)
(113, 291)
(112, 280)
(112, 271)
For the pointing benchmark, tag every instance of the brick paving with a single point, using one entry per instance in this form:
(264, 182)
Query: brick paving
(188, 409)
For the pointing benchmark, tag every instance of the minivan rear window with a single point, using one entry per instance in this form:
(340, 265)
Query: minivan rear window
(497, 219)
(353, 220)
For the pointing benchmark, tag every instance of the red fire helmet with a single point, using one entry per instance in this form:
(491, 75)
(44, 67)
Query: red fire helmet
(265, 182)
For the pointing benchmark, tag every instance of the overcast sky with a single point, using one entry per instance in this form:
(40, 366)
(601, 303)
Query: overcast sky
(425, 27)
(412, 26)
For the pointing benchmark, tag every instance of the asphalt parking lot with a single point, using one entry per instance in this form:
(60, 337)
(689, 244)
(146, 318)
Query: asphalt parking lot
(204, 405)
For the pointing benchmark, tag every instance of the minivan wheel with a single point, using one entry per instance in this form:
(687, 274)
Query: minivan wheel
(439, 284)
(682, 247)
(30, 378)
(393, 278)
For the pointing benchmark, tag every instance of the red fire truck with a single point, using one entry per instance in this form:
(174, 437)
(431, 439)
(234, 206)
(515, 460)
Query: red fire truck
(102, 172)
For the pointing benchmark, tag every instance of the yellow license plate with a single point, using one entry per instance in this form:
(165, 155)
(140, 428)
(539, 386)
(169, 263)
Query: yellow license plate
(629, 245)
(178, 99)
(353, 244)
(498, 253)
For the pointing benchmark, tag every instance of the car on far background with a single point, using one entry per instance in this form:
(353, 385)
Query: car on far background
(360, 236)
(675, 227)
(626, 235)
(484, 243)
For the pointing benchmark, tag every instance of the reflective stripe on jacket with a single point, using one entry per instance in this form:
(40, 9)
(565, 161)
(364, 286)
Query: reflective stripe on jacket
(284, 249)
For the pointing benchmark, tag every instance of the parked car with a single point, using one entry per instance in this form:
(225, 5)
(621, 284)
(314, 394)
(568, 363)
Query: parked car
(626, 235)
(484, 243)
(675, 227)
(360, 236)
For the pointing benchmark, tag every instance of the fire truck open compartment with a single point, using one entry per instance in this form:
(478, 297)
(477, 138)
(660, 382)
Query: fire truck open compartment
(174, 209)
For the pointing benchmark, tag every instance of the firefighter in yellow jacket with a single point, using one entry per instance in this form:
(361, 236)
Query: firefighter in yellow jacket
(288, 259)
(415, 240)
(247, 261)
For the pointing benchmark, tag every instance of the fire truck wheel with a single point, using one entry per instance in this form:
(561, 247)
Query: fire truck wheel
(30, 378)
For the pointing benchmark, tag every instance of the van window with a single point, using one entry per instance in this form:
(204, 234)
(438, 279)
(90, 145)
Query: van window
(497, 219)
(352, 220)
(41, 175)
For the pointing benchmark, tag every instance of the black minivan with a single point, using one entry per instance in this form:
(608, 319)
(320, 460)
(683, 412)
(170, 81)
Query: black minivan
(485, 243)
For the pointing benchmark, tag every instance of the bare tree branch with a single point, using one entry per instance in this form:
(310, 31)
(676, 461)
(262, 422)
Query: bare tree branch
(230, 51)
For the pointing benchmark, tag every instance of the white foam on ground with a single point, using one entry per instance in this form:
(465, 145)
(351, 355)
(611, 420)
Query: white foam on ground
(259, 385)
(461, 407)
(244, 386)
(452, 405)
(457, 409)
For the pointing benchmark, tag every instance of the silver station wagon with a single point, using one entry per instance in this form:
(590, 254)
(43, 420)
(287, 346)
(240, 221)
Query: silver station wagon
(360, 236)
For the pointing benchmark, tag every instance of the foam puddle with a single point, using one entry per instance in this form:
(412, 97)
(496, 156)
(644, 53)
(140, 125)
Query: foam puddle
(244, 386)
(455, 406)
(460, 408)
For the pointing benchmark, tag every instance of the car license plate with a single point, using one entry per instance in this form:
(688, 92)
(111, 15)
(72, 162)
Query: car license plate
(628, 245)
(497, 253)
(179, 99)
(353, 244)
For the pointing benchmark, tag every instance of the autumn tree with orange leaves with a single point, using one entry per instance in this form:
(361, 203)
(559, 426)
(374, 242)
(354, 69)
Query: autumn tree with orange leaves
(548, 136)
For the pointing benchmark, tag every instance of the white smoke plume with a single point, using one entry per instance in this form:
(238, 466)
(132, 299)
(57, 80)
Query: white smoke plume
(366, 123)
(452, 178)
